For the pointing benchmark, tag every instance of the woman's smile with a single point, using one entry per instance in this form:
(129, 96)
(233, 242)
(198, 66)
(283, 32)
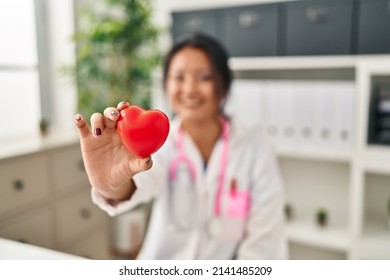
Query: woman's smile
(191, 103)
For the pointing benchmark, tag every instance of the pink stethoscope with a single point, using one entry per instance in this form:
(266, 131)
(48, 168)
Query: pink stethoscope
(181, 158)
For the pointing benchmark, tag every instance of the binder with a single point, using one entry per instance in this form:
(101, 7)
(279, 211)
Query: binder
(324, 114)
(272, 110)
(246, 103)
(287, 113)
(344, 114)
(305, 114)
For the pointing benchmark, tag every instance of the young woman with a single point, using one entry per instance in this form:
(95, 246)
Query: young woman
(216, 185)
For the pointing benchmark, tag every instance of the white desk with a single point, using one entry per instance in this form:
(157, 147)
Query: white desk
(12, 250)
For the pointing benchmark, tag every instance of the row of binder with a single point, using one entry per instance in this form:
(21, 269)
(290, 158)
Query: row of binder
(297, 113)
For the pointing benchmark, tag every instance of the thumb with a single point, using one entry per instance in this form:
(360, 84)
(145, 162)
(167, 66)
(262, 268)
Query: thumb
(140, 164)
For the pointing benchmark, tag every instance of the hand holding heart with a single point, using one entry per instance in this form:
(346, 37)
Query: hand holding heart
(111, 163)
(142, 132)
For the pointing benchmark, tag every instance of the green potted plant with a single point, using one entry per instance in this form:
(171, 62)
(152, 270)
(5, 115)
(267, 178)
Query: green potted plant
(117, 50)
(43, 126)
(288, 211)
(322, 217)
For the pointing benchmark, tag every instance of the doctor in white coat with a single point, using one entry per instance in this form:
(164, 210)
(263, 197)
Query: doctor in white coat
(217, 188)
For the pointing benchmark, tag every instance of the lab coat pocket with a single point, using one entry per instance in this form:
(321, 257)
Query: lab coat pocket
(238, 206)
(236, 215)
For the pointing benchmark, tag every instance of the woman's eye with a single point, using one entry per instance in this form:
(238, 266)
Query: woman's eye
(205, 77)
(178, 78)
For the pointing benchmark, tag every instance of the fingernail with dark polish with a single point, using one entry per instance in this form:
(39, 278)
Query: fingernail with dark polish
(98, 131)
(148, 162)
(113, 113)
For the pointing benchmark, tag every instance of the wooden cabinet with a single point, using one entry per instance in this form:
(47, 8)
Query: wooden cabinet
(20, 184)
(45, 199)
(32, 227)
(76, 214)
(93, 247)
(68, 169)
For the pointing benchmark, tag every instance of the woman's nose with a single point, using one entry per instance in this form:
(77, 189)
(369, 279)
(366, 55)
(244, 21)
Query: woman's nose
(189, 86)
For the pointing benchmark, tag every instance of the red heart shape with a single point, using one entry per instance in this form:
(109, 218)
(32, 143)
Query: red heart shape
(141, 131)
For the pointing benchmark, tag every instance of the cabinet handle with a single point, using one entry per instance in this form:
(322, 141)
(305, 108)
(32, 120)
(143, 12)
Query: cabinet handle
(85, 213)
(194, 24)
(317, 14)
(18, 185)
(249, 19)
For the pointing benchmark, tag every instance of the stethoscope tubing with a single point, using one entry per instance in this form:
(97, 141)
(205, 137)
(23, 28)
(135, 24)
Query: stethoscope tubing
(182, 158)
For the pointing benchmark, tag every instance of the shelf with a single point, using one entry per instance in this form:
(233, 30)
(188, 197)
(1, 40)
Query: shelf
(376, 160)
(376, 167)
(300, 62)
(377, 230)
(375, 242)
(303, 252)
(296, 62)
(314, 154)
(179, 5)
(330, 237)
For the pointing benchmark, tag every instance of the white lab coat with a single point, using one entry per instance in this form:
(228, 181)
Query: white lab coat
(251, 163)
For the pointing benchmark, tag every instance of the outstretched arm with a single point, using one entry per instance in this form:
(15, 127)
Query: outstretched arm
(110, 167)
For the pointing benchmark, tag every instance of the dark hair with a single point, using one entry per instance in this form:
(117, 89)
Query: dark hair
(214, 50)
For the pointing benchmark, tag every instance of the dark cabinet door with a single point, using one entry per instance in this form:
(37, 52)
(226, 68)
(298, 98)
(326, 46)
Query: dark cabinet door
(204, 21)
(252, 30)
(374, 26)
(318, 27)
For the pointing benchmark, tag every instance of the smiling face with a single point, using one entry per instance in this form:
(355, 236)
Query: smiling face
(194, 89)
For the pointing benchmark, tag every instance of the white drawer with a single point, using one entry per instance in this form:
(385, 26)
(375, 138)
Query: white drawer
(95, 246)
(76, 214)
(69, 169)
(32, 228)
(23, 180)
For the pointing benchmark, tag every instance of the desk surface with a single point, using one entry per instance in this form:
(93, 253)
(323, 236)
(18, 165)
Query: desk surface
(12, 250)
(36, 143)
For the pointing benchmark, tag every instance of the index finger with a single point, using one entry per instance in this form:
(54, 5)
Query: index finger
(82, 126)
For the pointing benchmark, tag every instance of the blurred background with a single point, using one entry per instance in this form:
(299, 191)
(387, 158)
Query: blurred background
(312, 75)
